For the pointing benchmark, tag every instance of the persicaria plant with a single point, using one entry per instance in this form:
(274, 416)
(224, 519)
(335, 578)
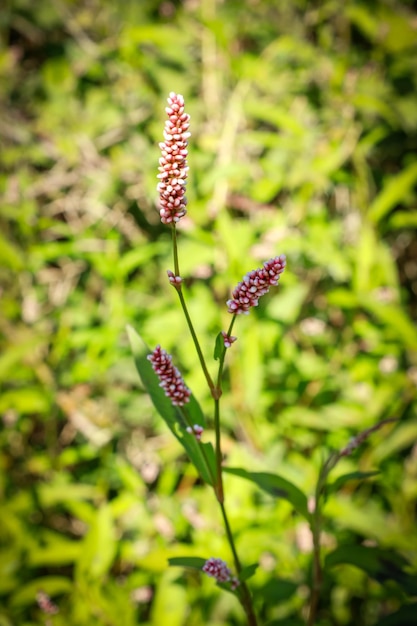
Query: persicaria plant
(180, 409)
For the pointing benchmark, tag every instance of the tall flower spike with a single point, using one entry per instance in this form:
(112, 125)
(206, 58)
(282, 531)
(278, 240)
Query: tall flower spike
(170, 378)
(173, 162)
(256, 284)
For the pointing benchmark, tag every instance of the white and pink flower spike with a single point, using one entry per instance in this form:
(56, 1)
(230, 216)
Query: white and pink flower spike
(173, 169)
(170, 378)
(256, 284)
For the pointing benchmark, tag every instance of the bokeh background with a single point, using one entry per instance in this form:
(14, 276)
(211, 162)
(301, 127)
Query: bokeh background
(304, 136)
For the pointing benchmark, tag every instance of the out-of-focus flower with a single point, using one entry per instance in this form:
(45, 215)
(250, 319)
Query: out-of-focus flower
(45, 603)
(170, 378)
(256, 284)
(218, 569)
(173, 162)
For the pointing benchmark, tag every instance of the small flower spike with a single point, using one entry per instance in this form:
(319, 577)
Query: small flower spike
(256, 284)
(171, 380)
(173, 162)
(228, 339)
(217, 568)
(195, 430)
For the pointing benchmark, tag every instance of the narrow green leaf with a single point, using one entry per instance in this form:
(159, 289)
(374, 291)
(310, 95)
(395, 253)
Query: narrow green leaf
(394, 192)
(99, 546)
(278, 590)
(248, 571)
(177, 419)
(395, 318)
(403, 219)
(275, 486)
(52, 585)
(187, 561)
(381, 564)
(218, 347)
(342, 480)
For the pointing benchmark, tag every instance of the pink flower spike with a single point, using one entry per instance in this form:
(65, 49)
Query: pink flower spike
(170, 378)
(217, 568)
(256, 284)
(173, 167)
(228, 339)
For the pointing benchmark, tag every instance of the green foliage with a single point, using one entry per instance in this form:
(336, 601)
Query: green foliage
(304, 133)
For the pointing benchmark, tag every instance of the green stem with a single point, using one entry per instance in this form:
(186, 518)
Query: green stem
(187, 420)
(218, 452)
(216, 392)
(222, 359)
(219, 489)
(187, 315)
(245, 596)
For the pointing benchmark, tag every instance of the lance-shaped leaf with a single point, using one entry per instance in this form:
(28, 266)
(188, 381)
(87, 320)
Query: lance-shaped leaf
(342, 480)
(194, 562)
(382, 564)
(218, 347)
(176, 418)
(276, 486)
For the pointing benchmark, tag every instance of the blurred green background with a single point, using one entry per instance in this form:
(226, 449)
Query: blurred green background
(304, 137)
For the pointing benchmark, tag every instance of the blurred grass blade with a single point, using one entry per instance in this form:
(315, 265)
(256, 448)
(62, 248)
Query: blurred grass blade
(394, 192)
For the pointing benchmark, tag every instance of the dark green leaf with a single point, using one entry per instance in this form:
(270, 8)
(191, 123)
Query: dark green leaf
(248, 571)
(381, 564)
(187, 561)
(218, 347)
(275, 486)
(342, 480)
(277, 590)
(405, 616)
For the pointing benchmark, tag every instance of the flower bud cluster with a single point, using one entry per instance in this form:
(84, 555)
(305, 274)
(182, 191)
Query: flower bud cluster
(195, 430)
(170, 378)
(256, 284)
(174, 280)
(173, 162)
(228, 339)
